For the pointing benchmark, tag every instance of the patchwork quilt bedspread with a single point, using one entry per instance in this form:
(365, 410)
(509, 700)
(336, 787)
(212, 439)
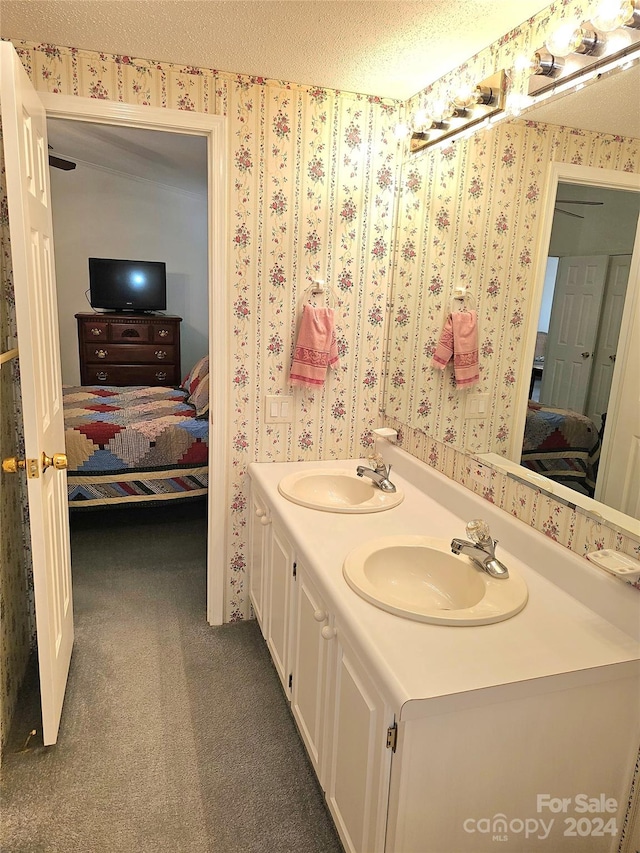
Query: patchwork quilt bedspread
(563, 446)
(130, 445)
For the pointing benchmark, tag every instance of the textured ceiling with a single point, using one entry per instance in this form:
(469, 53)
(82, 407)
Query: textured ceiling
(390, 49)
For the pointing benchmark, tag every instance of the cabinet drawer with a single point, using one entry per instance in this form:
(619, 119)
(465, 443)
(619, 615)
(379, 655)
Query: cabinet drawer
(130, 332)
(95, 331)
(163, 333)
(130, 354)
(130, 374)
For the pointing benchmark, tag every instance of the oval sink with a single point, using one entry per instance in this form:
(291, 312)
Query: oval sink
(419, 578)
(336, 491)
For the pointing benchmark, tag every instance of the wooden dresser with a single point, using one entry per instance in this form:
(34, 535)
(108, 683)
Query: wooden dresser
(129, 349)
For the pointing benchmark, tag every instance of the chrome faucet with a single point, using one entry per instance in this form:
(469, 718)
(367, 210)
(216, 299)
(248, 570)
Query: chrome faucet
(481, 548)
(378, 474)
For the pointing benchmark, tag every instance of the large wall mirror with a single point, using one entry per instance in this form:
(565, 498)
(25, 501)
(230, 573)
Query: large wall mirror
(519, 215)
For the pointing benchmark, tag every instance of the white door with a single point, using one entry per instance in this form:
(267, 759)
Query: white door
(618, 483)
(25, 149)
(572, 331)
(608, 334)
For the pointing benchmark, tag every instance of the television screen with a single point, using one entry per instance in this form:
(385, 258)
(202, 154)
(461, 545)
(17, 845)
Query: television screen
(118, 285)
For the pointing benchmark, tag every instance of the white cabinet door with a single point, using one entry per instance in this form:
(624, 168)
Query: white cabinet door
(312, 634)
(279, 579)
(258, 539)
(357, 789)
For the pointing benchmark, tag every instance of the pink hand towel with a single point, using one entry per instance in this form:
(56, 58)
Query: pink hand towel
(459, 338)
(316, 348)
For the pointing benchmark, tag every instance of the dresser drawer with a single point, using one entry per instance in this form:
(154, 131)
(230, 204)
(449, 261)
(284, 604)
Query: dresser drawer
(95, 331)
(130, 332)
(130, 374)
(163, 333)
(129, 354)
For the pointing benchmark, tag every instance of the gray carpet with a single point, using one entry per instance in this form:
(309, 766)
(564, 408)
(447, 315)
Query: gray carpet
(175, 736)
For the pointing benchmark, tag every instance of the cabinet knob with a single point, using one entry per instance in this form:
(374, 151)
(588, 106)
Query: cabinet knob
(260, 512)
(160, 354)
(328, 633)
(102, 353)
(265, 520)
(321, 615)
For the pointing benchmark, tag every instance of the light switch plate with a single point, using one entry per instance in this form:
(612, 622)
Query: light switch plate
(477, 406)
(278, 409)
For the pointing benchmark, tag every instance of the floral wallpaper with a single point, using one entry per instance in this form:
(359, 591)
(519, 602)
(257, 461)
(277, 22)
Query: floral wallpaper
(470, 214)
(311, 186)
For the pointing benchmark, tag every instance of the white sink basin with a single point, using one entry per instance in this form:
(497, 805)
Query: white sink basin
(419, 578)
(336, 491)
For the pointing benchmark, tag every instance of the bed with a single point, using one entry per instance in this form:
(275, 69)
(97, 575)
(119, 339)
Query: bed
(137, 445)
(561, 445)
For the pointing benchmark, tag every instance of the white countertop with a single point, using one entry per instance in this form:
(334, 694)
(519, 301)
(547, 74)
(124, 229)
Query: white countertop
(555, 635)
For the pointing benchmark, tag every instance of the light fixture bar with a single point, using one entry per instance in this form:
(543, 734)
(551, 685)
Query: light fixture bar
(490, 101)
(551, 72)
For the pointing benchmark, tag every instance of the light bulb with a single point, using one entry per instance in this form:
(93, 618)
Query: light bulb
(421, 121)
(612, 14)
(401, 130)
(565, 40)
(466, 97)
(441, 111)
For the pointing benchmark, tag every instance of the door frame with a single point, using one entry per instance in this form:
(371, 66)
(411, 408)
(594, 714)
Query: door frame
(213, 127)
(566, 173)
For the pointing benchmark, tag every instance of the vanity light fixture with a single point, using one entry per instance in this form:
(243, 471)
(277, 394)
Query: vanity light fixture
(574, 49)
(467, 108)
(612, 14)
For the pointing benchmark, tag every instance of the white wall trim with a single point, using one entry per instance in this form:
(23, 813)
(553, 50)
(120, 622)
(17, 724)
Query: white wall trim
(213, 127)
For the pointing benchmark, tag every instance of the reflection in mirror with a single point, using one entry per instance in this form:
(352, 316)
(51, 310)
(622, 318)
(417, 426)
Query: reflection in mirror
(578, 331)
(472, 213)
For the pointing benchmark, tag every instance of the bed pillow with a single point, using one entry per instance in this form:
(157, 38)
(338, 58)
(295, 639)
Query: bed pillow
(195, 376)
(199, 398)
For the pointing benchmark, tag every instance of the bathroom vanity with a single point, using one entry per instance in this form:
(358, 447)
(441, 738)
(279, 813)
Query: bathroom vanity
(429, 738)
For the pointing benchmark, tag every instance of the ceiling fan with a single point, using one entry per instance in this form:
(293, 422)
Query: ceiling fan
(60, 162)
(570, 201)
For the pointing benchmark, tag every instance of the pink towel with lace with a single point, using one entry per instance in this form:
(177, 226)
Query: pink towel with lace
(316, 348)
(459, 339)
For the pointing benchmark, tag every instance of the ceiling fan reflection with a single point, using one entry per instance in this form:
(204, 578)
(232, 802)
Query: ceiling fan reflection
(571, 201)
(60, 162)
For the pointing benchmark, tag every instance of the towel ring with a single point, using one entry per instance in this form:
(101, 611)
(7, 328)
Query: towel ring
(462, 299)
(319, 288)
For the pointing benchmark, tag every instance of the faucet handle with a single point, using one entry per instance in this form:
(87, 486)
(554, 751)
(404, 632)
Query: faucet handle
(478, 531)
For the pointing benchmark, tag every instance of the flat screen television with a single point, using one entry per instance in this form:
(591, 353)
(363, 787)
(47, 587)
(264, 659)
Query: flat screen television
(119, 285)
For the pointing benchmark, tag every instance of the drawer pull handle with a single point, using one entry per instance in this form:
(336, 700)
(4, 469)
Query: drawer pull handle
(163, 333)
(161, 375)
(102, 353)
(96, 332)
(160, 354)
(328, 633)
(101, 375)
(320, 615)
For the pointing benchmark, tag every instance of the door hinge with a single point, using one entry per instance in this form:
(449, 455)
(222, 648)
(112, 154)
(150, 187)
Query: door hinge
(392, 737)
(290, 681)
(295, 570)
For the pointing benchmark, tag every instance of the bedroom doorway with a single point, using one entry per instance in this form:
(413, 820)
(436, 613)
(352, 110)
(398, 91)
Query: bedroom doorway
(212, 129)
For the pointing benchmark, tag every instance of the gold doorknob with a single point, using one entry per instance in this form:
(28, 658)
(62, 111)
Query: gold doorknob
(58, 461)
(11, 465)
